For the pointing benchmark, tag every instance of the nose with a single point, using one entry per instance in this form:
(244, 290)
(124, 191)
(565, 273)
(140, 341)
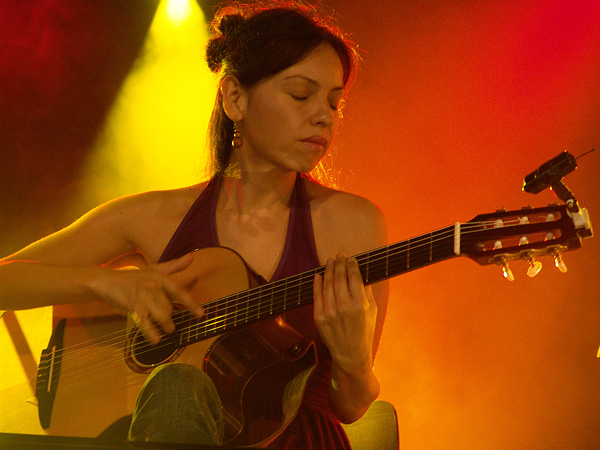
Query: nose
(324, 115)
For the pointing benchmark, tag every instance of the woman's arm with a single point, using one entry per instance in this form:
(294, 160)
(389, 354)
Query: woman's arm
(349, 315)
(71, 266)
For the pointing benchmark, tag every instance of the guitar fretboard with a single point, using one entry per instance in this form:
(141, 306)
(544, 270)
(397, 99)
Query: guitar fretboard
(277, 297)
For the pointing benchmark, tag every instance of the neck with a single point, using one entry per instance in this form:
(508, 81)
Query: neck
(248, 191)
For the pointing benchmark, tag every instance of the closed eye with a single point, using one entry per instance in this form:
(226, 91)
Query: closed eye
(300, 98)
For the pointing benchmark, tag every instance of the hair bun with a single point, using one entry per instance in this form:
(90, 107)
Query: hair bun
(230, 24)
(215, 53)
(226, 32)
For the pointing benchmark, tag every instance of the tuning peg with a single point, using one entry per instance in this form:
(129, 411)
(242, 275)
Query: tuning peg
(558, 261)
(523, 221)
(550, 235)
(506, 272)
(534, 266)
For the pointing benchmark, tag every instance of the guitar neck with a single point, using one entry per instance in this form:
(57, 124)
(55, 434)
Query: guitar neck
(277, 297)
(488, 239)
(405, 256)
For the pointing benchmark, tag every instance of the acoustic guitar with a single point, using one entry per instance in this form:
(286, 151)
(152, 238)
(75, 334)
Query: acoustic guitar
(242, 340)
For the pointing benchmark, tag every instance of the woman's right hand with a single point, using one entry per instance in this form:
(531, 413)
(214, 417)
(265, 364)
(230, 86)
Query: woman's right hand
(148, 295)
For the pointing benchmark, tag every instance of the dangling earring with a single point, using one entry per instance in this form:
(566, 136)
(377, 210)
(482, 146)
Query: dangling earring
(237, 141)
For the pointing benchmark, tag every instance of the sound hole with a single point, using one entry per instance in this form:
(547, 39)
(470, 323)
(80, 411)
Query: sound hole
(142, 357)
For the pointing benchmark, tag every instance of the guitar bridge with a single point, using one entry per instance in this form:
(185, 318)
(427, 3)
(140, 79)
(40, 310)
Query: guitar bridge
(48, 374)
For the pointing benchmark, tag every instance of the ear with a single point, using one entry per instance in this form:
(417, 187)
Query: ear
(234, 98)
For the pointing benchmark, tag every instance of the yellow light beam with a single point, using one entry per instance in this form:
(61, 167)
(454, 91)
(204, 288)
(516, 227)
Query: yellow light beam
(178, 10)
(154, 136)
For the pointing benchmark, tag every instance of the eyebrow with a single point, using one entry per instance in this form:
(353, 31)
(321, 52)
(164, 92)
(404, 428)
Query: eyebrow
(310, 81)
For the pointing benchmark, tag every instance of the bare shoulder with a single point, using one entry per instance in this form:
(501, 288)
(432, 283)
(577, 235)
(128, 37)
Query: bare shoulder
(148, 220)
(165, 204)
(344, 222)
(140, 223)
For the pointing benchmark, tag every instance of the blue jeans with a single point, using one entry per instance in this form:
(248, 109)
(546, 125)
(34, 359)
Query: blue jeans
(179, 404)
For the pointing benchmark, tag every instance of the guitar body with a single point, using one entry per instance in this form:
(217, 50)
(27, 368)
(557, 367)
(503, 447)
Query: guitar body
(100, 380)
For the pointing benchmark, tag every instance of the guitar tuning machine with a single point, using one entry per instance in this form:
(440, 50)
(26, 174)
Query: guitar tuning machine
(556, 254)
(558, 261)
(534, 266)
(506, 272)
(501, 260)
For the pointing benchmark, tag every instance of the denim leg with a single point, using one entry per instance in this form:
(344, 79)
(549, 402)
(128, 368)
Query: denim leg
(179, 404)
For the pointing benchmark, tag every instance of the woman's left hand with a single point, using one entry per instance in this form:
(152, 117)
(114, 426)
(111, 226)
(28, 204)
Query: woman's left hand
(345, 314)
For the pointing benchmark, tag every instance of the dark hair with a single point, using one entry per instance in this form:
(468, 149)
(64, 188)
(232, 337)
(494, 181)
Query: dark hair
(260, 39)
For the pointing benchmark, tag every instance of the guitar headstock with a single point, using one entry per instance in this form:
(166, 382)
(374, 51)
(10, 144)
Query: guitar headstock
(525, 234)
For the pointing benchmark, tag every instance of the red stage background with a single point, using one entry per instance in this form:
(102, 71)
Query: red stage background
(456, 101)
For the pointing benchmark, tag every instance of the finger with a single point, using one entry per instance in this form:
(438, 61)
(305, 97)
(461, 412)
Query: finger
(318, 295)
(177, 294)
(150, 332)
(328, 290)
(370, 296)
(161, 312)
(355, 280)
(174, 291)
(176, 265)
(342, 292)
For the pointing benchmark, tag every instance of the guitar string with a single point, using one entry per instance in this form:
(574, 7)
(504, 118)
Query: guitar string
(214, 323)
(273, 293)
(252, 315)
(259, 313)
(117, 335)
(256, 311)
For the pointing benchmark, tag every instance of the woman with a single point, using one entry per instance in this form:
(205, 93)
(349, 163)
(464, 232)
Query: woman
(284, 72)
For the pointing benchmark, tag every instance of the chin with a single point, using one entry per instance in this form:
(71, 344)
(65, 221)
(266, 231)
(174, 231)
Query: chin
(306, 168)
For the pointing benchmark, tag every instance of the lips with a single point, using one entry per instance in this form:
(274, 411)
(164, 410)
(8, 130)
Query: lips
(316, 140)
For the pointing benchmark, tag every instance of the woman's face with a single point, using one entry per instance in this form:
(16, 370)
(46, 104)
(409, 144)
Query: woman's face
(290, 118)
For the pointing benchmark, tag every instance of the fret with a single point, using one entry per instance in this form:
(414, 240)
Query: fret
(299, 294)
(229, 310)
(188, 329)
(274, 307)
(285, 290)
(209, 322)
(430, 247)
(306, 291)
(236, 310)
(246, 308)
(262, 306)
(387, 261)
(267, 308)
(270, 303)
(220, 320)
(257, 305)
(194, 328)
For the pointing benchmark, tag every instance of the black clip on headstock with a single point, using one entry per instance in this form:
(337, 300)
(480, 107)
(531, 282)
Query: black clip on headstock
(551, 174)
